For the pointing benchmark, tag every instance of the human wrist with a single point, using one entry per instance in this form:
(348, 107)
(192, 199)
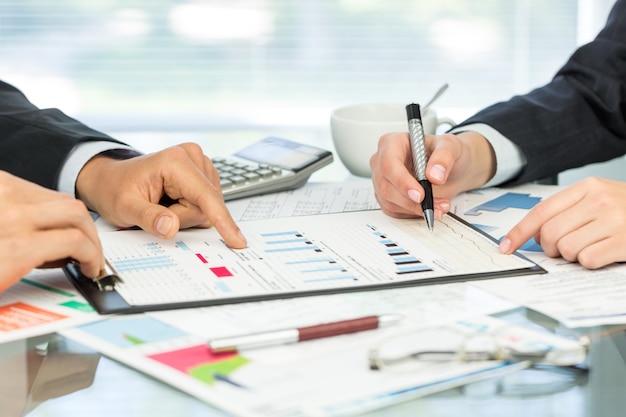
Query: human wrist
(89, 182)
(90, 179)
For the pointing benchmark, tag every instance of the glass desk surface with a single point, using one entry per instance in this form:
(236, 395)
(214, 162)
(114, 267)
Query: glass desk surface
(54, 377)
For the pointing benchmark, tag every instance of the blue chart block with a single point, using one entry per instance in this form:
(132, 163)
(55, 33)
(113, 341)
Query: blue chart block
(484, 227)
(132, 331)
(508, 200)
(138, 264)
(531, 246)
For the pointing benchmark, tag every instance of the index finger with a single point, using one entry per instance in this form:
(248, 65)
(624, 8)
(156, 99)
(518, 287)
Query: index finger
(199, 159)
(197, 187)
(222, 220)
(538, 216)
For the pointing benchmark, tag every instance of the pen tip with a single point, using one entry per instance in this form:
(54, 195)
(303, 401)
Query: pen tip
(429, 215)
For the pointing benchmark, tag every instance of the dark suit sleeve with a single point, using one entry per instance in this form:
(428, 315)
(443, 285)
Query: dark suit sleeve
(576, 119)
(34, 143)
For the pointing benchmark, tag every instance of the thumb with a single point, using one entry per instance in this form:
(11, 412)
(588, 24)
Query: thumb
(155, 219)
(443, 155)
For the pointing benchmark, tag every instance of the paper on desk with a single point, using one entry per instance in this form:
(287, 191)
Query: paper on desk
(575, 297)
(42, 302)
(325, 377)
(303, 255)
(569, 293)
(496, 210)
(313, 198)
(419, 305)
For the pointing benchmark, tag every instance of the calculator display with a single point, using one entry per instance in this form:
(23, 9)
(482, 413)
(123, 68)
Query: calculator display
(282, 153)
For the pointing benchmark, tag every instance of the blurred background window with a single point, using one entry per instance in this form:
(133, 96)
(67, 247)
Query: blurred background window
(175, 65)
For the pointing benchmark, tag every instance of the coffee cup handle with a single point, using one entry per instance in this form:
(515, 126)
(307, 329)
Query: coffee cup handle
(445, 121)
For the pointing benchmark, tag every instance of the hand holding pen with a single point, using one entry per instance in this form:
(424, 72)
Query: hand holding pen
(418, 148)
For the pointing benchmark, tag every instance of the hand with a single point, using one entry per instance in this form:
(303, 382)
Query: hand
(43, 228)
(456, 163)
(585, 222)
(127, 192)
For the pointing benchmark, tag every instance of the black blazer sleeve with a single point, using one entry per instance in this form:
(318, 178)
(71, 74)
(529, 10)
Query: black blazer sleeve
(34, 143)
(576, 119)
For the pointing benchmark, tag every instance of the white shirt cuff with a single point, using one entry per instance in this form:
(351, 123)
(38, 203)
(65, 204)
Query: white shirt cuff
(80, 155)
(509, 158)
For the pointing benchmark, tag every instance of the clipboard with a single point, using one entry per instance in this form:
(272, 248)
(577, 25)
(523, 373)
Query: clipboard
(106, 299)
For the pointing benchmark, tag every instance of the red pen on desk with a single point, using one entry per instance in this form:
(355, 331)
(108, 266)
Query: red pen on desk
(280, 337)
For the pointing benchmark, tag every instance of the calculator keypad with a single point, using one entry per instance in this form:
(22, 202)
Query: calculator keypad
(236, 174)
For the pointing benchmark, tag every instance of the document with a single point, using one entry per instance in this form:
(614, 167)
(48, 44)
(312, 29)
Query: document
(575, 296)
(296, 256)
(313, 198)
(332, 376)
(496, 210)
(175, 334)
(42, 302)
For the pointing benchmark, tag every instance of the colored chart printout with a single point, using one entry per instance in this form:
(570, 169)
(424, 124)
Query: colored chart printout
(41, 302)
(508, 200)
(132, 331)
(495, 211)
(149, 338)
(293, 380)
(21, 315)
(201, 363)
(297, 255)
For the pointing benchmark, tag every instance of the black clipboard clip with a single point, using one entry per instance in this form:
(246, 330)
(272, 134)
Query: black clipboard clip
(105, 282)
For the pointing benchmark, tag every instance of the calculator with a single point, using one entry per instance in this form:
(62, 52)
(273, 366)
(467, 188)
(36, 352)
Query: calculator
(269, 165)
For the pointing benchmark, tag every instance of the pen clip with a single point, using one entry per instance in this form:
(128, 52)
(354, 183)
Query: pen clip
(107, 279)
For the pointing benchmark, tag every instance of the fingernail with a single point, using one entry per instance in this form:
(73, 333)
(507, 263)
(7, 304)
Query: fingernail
(438, 172)
(505, 245)
(415, 196)
(445, 206)
(164, 224)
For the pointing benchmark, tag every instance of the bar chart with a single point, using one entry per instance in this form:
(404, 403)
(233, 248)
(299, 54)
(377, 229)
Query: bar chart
(303, 255)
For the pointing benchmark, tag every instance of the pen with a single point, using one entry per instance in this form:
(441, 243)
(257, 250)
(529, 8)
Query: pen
(418, 148)
(300, 334)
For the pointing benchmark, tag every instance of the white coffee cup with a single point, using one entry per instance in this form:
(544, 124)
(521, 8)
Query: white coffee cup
(356, 130)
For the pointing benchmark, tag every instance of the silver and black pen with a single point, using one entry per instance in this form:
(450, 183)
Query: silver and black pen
(418, 148)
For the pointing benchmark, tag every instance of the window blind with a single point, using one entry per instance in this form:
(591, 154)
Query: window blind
(182, 65)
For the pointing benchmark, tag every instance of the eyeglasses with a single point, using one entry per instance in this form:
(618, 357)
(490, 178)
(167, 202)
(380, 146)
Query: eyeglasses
(472, 341)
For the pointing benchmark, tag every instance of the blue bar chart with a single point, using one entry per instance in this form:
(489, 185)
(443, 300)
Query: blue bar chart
(303, 258)
(149, 256)
(404, 261)
(320, 253)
